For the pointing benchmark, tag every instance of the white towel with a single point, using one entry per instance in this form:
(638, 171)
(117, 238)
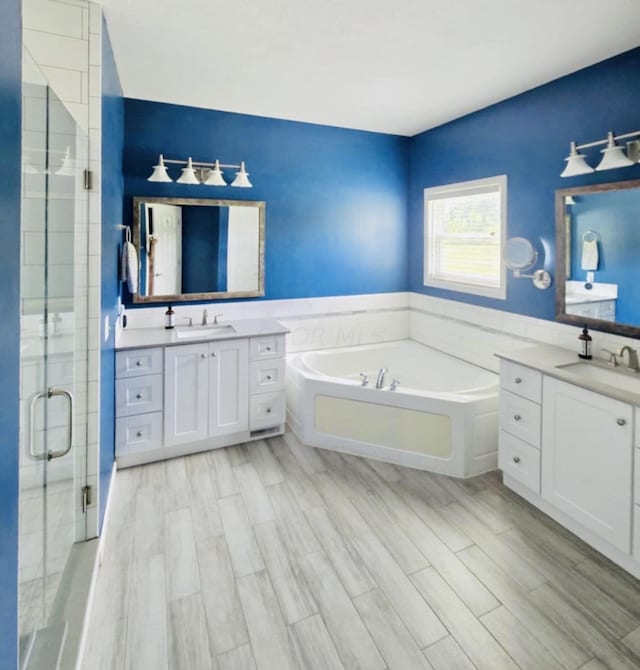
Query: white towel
(129, 266)
(589, 254)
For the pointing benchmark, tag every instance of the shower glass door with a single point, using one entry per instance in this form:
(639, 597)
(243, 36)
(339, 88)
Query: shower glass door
(53, 453)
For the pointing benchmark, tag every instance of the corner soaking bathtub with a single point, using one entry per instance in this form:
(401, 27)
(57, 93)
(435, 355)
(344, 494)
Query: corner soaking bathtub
(442, 417)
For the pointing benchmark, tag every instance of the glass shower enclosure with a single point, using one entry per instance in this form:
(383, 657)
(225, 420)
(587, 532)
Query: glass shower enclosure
(54, 569)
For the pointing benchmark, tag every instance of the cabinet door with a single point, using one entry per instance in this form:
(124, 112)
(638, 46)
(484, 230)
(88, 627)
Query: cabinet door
(186, 380)
(228, 387)
(587, 459)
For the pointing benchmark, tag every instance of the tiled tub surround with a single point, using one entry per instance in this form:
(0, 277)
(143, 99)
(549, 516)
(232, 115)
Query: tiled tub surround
(433, 411)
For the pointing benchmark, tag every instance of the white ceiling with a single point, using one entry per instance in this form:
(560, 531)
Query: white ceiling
(393, 66)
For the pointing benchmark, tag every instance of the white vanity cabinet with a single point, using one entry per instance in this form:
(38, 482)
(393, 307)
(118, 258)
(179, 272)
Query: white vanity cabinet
(572, 452)
(587, 462)
(185, 397)
(205, 390)
(519, 436)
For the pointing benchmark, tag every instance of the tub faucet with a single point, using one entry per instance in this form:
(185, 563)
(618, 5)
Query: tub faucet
(365, 379)
(633, 358)
(394, 384)
(380, 379)
(205, 316)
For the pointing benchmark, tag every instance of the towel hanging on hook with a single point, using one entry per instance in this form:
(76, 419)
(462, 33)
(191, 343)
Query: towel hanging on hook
(590, 254)
(129, 262)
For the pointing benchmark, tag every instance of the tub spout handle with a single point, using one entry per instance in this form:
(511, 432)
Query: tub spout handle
(394, 384)
(365, 379)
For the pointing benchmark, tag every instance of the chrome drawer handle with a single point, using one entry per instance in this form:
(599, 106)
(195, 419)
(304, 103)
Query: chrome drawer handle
(213, 354)
(621, 422)
(516, 417)
(203, 356)
(516, 459)
(139, 433)
(517, 380)
(268, 348)
(269, 377)
(138, 396)
(268, 410)
(138, 363)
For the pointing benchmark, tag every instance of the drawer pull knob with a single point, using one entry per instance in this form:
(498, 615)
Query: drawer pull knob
(138, 396)
(203, 356)
(516, 417)
(213, 354)
(268, 348)
(139, 433)
(621, 422)
(269, 377)
(268, 410)
(516, 459)
(138, 363)
(517, 380)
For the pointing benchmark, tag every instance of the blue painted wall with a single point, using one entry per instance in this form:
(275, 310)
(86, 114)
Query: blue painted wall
(336, 198)
(10, 125)
(613, 215)
(112, 194)
(526, 137)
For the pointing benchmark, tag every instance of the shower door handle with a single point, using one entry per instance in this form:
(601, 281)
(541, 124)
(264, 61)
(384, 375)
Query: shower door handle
(50, 393)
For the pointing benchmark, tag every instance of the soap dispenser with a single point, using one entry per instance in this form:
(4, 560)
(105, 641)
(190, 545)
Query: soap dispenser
(585, 344)
(169, 318)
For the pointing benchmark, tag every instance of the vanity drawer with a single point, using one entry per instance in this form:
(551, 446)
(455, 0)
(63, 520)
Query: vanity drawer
(138, 433)
(519, 460)
(266, 410)
(267, 346)
(520, 417)
(138, 395)
(521, 380)
(137, 362)
(267, 376)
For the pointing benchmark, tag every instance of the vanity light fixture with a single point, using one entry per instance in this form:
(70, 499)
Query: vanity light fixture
(196, 172)
(613, 156)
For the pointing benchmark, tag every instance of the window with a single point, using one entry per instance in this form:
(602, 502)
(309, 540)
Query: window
(464, 231)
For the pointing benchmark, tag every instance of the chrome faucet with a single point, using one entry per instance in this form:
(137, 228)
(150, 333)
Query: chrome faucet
(205, 316)
(633, 358)
(380, 379)
(215, 318)
(613, 358)
(365, 379)
(394, 384)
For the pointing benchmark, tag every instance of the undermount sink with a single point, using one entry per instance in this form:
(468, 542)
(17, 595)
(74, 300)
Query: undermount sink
(202, 332)
(594, 372)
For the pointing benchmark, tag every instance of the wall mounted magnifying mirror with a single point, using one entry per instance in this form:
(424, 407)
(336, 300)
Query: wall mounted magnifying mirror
(597, 270)
(197, 249)
(520, 256)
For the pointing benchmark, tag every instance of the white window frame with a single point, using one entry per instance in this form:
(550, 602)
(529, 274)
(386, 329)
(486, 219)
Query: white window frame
(459, 189)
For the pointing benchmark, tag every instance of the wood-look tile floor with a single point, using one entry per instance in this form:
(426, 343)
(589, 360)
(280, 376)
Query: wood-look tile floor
(273, 555)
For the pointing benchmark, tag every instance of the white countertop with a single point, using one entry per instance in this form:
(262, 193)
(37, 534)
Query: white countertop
(138, 338)
(546, 358)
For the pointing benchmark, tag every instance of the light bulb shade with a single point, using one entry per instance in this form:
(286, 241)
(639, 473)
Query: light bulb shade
(188, 175)
(613, 157)
(242, 178)
(159, 172)
(67, 169)
(215, 177)
(576, 165)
